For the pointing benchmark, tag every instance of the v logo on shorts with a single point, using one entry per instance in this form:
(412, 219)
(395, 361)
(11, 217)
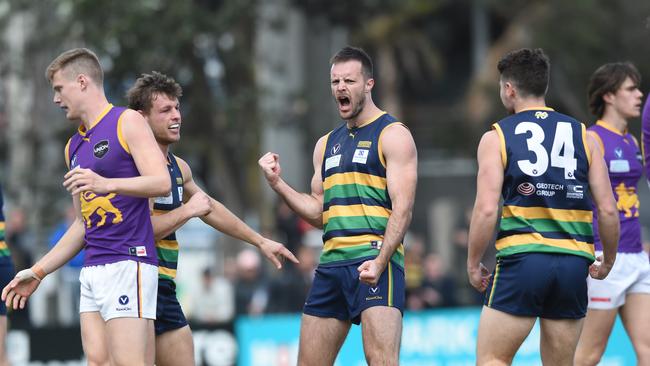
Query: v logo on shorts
(123, 300)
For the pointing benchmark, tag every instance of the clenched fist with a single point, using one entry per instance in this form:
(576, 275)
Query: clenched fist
(270, 164)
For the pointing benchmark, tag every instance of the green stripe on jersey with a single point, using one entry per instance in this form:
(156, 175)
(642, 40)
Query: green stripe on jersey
(168, 255)
(541, 248)
(355, 190)
(359, 251)
(547, 225)
(356, 222)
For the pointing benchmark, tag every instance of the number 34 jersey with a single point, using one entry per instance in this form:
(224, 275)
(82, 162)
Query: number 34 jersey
(546, 199)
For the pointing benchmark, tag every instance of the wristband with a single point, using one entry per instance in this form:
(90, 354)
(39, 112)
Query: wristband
(39, 272)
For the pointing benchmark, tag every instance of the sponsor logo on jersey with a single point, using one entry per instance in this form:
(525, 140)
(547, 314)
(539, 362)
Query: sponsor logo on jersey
(541, 115)
(526, 189)
(100, 149)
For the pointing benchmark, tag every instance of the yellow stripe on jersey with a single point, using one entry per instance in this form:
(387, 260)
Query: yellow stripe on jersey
(354, 241)
(167, 244)
(167, 272)
(536, 238)
(584, 142)
(355, 210)
(120, 136)
(354, 178)
(380, 150)
(502, 141)
(548, 213)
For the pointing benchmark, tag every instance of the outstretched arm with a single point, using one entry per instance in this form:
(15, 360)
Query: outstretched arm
(213, 213)
(400, 155)
(489, 181)
(140, 142)
(16, 293)
(307, 206)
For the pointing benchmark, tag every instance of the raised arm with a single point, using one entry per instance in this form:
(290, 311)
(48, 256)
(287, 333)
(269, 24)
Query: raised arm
(489, 181)
(400, 156)
(307, 206)
(608, 223)
(141, 144)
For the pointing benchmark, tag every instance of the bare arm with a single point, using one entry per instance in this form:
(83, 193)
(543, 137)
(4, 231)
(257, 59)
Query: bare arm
(401, 178)
(154, 178)
(307, 206)
(489, 182)
(213, 213)
(601, 193)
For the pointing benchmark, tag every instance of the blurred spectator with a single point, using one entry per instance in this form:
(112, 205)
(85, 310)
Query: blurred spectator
(288, 291)
(18, 240)
(69, 291)
(215, 304)
(251, 291)
(288, 226)
(438, 288)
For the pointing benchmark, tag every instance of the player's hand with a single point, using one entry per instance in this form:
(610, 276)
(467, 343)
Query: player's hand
(479, 277)
(80, 180)
(600, 269)
(15, 294)
(199, 204)
(270, 164)
(369, 272)
(276, 252)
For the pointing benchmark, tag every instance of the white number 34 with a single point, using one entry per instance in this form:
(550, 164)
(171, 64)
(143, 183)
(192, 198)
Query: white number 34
(562, 144)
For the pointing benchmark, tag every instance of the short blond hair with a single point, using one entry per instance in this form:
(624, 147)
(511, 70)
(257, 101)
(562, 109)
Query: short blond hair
(77, 61)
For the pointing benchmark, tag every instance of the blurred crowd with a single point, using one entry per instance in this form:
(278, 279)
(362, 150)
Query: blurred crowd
(244, 283)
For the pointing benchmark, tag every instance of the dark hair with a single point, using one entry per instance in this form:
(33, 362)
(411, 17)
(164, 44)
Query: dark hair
(607, 79)
(141, 94)
(528, 69)
(350, 53)
(74, 62)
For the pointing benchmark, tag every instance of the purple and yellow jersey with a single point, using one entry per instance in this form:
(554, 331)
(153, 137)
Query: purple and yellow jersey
(167, 248)
(623, 160)
(356, 204)
(5, 254)
(118, 227)
(546, 198)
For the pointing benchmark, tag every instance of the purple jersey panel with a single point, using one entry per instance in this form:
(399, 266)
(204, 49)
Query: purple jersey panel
(624, 162)
(118, 227)
(645, 136)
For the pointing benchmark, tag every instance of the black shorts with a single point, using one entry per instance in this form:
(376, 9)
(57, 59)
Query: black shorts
(169, 315)
(545, 285)
(6, 275)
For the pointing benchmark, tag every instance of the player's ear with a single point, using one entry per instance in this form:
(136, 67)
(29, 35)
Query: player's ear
(370, 83)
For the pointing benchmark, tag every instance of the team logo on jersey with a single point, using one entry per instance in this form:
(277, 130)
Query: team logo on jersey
(541, 115)
(73, 161)
(618, 151)
(100, 149)
(526, 189)
(336, 148)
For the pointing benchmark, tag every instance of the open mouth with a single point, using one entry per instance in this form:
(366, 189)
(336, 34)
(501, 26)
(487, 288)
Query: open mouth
(174, 127)
(344, 102)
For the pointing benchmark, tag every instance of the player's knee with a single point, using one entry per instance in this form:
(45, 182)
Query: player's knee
(381, 356)
(589, 358)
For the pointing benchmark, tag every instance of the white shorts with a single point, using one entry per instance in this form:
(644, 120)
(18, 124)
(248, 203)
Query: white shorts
(125, 289)
(630, 274)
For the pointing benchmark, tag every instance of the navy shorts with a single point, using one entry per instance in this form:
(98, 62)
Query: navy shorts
(337, 292)
(169, 315)
(545, 285)
(6, 275)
